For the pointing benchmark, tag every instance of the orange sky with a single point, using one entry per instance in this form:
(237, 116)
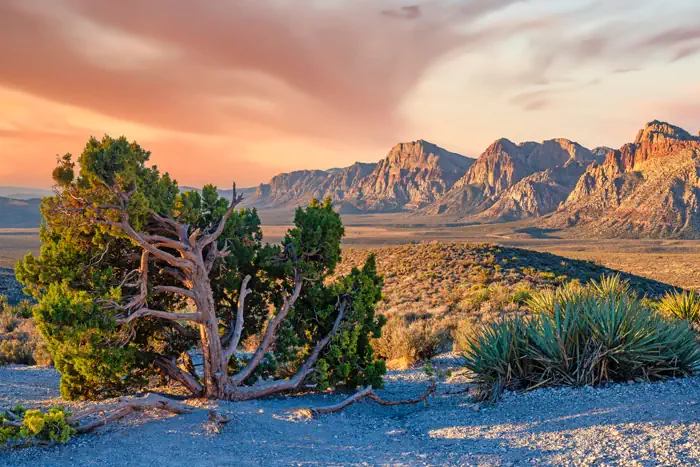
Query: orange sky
(240, 89)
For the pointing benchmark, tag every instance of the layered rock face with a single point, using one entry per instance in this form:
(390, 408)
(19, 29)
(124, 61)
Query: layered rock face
(301, 186)
(513, 181)
(411, 176)
(648, 188)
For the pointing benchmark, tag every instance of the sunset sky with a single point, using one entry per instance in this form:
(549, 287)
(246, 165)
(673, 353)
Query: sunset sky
(243, 89)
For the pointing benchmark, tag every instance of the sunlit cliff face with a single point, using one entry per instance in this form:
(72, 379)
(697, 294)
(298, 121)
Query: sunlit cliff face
(244, 89)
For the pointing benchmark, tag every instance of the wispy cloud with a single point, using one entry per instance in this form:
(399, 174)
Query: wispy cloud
(253, 72)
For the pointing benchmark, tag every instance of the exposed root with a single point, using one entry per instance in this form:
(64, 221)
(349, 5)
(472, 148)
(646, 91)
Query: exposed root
(126, 407)
(369, 394)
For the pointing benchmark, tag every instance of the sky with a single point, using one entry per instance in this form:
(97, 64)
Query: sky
(240, 90)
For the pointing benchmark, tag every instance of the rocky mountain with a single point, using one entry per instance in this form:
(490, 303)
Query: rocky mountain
(411, 176)
(648, 188)
(512, 181)
(18, 213)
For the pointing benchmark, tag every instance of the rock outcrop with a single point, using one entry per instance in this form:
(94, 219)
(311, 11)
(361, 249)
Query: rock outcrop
(511, 181)
(648, 188)
(411, 176)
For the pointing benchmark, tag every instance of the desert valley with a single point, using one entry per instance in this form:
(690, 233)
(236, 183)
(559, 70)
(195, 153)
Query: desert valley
(460, 243)
(442, 233)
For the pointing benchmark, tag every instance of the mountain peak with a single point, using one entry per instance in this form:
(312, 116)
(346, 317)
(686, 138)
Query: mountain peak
(658, 130)
(416, 154)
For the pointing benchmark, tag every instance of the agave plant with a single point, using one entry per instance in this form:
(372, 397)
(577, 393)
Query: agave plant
(682, 305)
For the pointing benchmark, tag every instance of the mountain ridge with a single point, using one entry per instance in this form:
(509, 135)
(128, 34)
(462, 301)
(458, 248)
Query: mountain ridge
(648, 188)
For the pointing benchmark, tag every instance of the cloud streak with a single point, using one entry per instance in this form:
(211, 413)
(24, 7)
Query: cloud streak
(236, 73)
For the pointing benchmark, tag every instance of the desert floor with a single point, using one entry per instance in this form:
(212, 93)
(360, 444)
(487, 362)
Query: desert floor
(633, 425)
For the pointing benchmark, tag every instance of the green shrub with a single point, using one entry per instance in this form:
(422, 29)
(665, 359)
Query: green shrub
(597, 335)
(521, 294)
(35, 426)
(682, 305)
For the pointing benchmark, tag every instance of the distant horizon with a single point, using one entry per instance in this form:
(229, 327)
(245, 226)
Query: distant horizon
(245, 90)
(254, 185)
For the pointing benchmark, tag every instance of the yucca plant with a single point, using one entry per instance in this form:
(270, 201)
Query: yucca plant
(591, 337)
(547, 300)
(609, 285)
(559, 347)
(682, 305)
(495, 354)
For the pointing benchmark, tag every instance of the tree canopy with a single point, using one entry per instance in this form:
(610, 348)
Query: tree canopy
(136, 279)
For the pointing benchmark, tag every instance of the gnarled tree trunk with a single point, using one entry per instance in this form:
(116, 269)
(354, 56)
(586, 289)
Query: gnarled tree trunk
(192, 263)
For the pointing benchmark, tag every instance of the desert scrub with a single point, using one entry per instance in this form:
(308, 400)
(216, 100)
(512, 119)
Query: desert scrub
(20, 341)
(408, 339)
(20, 426)
(452, 269)
(598, 334)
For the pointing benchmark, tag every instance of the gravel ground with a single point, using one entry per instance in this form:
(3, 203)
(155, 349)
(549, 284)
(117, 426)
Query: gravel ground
(631, 425)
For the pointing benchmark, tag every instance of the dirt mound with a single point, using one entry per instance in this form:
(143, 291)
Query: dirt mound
(440, 276)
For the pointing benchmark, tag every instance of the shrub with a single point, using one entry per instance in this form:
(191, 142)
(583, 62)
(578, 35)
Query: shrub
(521, 294)
(133, 273)
(681, 305)
(609, 285)
(599, 335)
(35, 425)
(465, 330)
(20, 341)
(406, 340)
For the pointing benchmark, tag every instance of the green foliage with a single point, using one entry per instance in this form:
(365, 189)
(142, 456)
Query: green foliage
(681, 305)
(350, 360)
(85, 345)
(581, 336)
(610, 285)
(35, 426)
(82, 269)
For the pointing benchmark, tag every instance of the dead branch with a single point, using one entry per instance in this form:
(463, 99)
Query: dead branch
(10, 423)
(146, 312)
(238, 327)
(140, 299)
(170, 367)
(370, 394)
(273, 387)
(270, 333)
(174, 290)
(125, 407)
(217, 420)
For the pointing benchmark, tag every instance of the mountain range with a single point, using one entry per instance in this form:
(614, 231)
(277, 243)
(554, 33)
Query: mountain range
(647, 188)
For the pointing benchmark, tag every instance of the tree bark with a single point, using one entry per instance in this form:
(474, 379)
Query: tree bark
(125, 407)
(370, 394)
(215, 361)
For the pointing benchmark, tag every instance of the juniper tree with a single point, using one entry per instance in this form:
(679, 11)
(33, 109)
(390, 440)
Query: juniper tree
(134, 278)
